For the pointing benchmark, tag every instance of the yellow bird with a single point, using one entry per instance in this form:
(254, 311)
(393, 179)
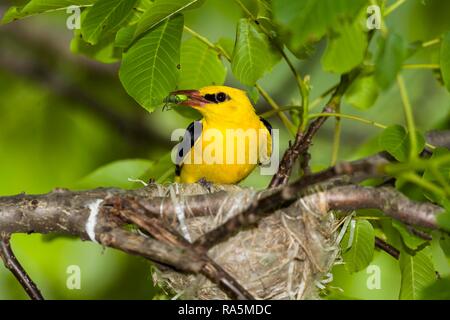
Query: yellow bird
(226, 145)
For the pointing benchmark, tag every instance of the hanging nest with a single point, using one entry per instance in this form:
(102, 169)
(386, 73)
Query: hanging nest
(286, 256)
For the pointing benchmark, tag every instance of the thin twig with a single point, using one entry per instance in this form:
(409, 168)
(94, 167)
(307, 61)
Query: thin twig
(386, 247)
(419, 233)
(13, 265)
(303, 140)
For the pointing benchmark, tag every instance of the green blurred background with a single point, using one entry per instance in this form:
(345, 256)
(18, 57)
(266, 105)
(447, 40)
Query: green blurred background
(62, 116)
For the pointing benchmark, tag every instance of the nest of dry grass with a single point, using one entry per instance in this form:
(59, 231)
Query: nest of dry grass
(285, 257)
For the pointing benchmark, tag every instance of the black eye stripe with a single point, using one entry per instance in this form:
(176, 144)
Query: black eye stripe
(217, 98)
(210, 97)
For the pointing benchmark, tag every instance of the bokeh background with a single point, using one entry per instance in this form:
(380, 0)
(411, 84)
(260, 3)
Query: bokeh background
(63, 116)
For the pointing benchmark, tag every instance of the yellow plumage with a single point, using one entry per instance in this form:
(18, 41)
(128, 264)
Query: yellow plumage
(233, 137)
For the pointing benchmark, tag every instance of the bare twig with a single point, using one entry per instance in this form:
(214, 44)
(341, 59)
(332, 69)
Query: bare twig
(11, 263)
(386, 247)
(419, 233)
(303, 140)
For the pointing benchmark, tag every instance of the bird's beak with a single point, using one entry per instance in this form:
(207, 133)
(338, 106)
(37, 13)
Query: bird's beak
(194, 98)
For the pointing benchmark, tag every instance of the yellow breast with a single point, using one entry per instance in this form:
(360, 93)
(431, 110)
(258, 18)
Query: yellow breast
(226, 153)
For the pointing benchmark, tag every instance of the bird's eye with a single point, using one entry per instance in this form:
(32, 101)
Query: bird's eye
(221, 97)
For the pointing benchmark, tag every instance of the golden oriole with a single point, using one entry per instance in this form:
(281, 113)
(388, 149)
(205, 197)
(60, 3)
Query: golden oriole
(227, 143)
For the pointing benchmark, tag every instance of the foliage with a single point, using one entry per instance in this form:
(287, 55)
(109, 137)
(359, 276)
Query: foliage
(358, 245)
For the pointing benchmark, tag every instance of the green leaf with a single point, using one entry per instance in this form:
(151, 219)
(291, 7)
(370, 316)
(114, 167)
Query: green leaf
(104, 51)
(200, 66)
(361, 239)
(417, 274)
(395, 140)
(306, 21)
(346, 47)
(391, 235)
(444, 167)
(115, 174)
(362, 93)
(369, 147)
(40, 6)
(10, 15)
(443, 220)
(253, 94)
(411, 241)
(227, 45)
(440, 261)
(445, 60)
(253, 54)
(161, 10)
(444, 242)
(124, 37)
(105, 16)
(389, 60)
(439, 290)
(150, 68)
(264, 9)
(162, 171)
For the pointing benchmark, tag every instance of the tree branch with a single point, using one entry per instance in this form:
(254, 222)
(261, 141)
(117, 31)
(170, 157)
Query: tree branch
(13, 265)
(284, 197)
(132, 211)
(386, 247)
(303, 140)
(63, 211)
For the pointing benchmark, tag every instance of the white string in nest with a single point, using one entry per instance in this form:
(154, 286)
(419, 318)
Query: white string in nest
(287, 256)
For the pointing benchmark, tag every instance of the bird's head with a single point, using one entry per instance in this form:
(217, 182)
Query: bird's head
(218, 102)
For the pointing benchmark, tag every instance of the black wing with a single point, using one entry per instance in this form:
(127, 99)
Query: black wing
(267, 125)
(269, 128)
(193, 132)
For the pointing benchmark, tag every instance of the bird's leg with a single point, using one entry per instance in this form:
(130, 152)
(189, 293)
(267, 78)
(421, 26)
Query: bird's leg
(205, 184)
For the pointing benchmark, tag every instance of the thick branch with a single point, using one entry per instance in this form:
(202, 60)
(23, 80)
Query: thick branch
(133, 212)
(390, 201)
(68, 212)
(347, 198)
(284, 197)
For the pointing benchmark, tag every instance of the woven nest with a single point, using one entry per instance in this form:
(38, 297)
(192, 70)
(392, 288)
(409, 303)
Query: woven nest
(285, 257)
